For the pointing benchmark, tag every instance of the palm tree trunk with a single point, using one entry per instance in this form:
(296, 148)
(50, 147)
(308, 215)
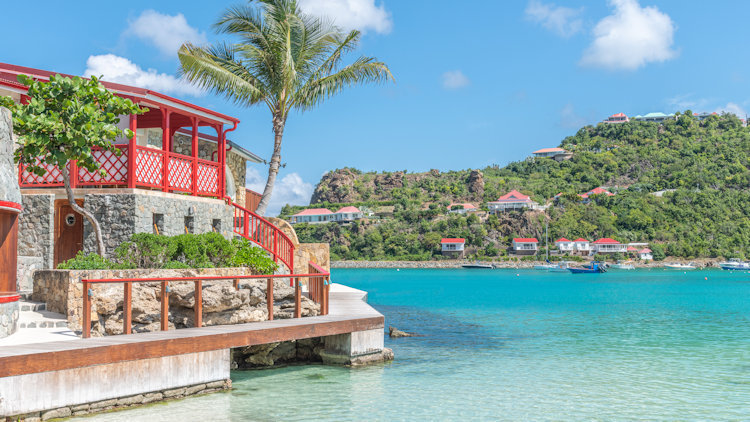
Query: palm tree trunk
(84, 212)
(273, 168)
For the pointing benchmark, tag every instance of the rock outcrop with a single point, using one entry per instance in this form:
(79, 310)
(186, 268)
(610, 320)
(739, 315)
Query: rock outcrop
(394, 332)
(475, 184)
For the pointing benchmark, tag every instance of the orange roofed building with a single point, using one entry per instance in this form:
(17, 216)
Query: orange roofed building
(511, 201)
(558, 154)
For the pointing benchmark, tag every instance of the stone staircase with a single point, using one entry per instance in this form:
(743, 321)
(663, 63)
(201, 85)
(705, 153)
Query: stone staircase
(36, 315)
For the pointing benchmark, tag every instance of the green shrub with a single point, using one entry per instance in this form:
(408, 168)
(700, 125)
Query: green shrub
(191, 250)
(175, 265)
(91, 261)
(146, 250)
(219, 250)
(247, 255)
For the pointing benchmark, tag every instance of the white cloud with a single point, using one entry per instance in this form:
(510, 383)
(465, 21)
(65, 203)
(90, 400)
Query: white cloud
(290, 189)
(631, 37)
(121, 70)
(564, 21)
(363, 15)
(166, 32)
(455, 79)
(733, 108)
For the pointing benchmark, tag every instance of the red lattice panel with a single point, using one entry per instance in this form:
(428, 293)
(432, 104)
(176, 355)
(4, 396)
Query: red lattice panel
(180, 172)
(53, 176)
(116, 168)
(208, 177)
(149, 167)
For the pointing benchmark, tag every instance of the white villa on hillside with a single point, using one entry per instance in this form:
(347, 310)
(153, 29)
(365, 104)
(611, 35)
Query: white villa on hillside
(608, 245)
(453, 246)
(558, 154)
(565, 245)
(657, 117)
(461, 208)
(525, 245)
(324, 215)
(513, 200)
(645, 254)
(582, 246)
(617, 118)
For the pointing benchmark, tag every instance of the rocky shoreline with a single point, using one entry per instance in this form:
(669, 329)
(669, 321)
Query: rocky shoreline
(700, 263)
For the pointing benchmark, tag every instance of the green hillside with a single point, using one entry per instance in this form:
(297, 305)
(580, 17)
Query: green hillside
(683, 185)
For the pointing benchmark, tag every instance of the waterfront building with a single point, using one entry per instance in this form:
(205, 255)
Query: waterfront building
(582, 246)
(179, 174)
(564, 245)
(617, 118)
(461, 208)
(511, 201)
(453, 247)
(608, 245)
(525, 245)
(645, 254)
(558, 154)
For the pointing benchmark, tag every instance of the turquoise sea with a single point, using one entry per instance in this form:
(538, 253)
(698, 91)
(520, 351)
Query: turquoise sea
(519, 345)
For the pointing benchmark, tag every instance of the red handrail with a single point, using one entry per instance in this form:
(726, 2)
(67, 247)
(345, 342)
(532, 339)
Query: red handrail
(260, 231)
(318, 282)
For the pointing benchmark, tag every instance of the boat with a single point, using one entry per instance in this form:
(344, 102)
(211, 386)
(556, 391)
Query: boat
(478, 265)
(544, 267)
(561, 267)
(735, 264)
(594, 268)
(622, 265)
(678, 266)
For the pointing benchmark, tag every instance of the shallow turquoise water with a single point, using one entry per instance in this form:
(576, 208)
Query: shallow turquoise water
(519, 345)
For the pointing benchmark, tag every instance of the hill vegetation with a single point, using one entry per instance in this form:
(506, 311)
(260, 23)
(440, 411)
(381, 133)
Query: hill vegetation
(682, 185)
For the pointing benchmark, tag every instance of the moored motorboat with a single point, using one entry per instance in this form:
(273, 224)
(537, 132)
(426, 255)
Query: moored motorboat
(561, 267)
(594, 268)
(622, 265)
(678, 266)
(478, 265)
(544, 267)
(735, 264)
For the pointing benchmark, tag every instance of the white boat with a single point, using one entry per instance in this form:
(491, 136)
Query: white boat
(678, 266)
(544, 267)
(561, 267)
(735, 264)
(622, 265)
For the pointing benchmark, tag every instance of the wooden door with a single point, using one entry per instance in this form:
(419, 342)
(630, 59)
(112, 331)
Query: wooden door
(8, 251)
(68, 231)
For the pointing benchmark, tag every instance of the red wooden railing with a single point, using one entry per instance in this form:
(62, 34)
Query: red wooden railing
(258, 230)
(318, 281)
(183, 172)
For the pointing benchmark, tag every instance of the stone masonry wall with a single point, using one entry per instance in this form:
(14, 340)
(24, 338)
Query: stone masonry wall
(238, 166)
(122, 215)
(8, 170)
(36, 230)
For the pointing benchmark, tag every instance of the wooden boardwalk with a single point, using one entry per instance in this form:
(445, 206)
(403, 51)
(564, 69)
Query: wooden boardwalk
(348, 313)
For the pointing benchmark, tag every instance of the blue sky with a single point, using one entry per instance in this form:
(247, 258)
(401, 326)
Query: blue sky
(477, 83)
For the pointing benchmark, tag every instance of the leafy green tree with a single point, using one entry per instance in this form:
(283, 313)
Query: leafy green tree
(285, 59)
(63, 121)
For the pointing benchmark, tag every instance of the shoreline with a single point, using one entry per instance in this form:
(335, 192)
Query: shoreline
(447, 264)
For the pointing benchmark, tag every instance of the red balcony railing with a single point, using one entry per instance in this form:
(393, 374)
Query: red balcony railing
(184, 173)
(258, 230)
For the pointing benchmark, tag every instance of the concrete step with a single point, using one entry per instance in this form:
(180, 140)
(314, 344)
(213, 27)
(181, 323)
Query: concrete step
(35, 315)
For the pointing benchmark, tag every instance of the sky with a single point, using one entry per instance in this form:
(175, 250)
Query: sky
(476, 83)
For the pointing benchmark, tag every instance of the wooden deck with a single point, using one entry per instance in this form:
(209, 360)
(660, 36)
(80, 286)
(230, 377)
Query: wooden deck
(348, 313)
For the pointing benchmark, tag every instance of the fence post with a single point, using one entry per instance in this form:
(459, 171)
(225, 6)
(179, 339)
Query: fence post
(86, 317)
(198, 305)
(132, 151)
(269, 298)
(326, 290)
(164, 306)
(73, 174)
(236, 284)
(297, 299)
(127, 308)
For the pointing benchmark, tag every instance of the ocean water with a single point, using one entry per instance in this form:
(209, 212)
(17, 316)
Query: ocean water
(519, 345)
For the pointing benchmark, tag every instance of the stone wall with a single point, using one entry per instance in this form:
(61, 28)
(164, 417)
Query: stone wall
(319, 253)
(8, 170)
(122, 215)
(222, 303)
(238, 166)
(9, 314)
(36, 230)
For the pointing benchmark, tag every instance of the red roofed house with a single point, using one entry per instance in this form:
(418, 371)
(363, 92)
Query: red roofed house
(645, 254)
(453, 247)
(565, 245)
(461, 208)
(596, 191)
(607, 245)
(513, 200)
(313, 215)
(617, 118)
(558, 154)
(582, 246)
(525, 245)
(346, 214)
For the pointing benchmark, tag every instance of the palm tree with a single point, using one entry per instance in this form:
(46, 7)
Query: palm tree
(285, 58)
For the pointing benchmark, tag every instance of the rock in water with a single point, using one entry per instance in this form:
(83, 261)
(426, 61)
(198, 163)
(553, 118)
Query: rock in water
(394, 332)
